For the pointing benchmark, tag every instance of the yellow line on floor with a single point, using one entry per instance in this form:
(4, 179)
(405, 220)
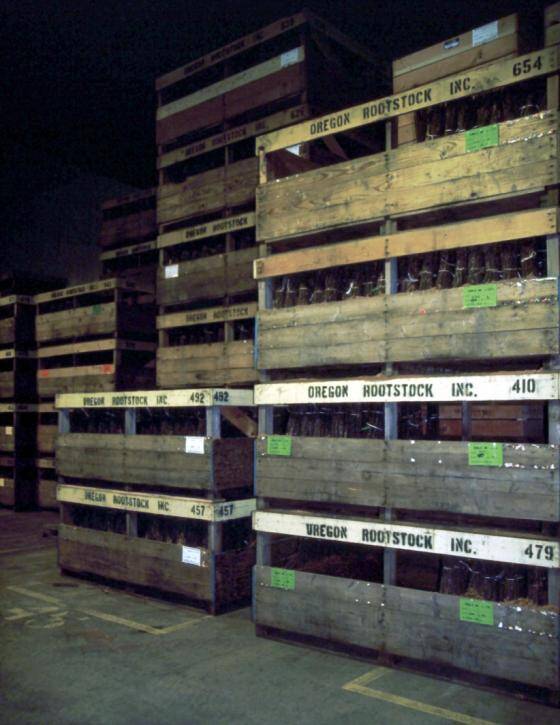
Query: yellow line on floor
(358, 686)
(131, 624)
(34, 595)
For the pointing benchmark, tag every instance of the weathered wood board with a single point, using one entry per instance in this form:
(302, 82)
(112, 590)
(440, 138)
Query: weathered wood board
(156, 460)
(227, 186)
(431, 325)
(207, 278)
(412, 178)
(521, 644)
(216, 364)
(419, 475)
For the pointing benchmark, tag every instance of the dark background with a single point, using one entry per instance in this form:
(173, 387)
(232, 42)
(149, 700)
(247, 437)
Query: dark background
(78, 102)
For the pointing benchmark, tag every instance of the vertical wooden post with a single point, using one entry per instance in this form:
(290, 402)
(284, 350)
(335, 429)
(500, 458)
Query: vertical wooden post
(130, 430)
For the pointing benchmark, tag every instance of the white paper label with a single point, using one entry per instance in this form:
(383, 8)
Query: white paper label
(189, 555)
(289, 58)
(8, 430)
(172, 270)
(194, 444)
(2, 482)
(296, 150)
(485, 33)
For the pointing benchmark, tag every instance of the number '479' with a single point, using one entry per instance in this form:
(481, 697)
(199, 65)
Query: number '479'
(540, 551)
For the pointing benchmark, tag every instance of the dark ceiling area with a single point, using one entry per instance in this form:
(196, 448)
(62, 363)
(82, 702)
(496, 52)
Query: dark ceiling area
(79, 76)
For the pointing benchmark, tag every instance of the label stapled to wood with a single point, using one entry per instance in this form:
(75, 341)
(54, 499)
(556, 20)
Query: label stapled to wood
(279, 445)
(485, 33)
(476, 610)
(480, 295)
(486, 454)
(282, 578)
(482, 138)
(171, 271)
(191, 555)
(194, 444)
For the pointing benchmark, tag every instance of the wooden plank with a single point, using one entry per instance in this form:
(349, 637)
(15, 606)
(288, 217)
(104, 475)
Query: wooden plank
(417, 475)
(156, 399)
(141, 248)
(406, 389)
(233, 135)
(90, 288)
(228, 51)
(241, 421)
(96, 319)
(157, 504)
(210, 315)
(228, 186)
(256, 72)
(411, 178)
(79, 348)
(216, 363)
(431, 325)
(46, 494)
(474, 232)
(128, 198)
(207, 278)
(520, 645)
(456, 54)
(527, 550)
(209, 229)
(490, 77)
(134, 560)
(16, 300)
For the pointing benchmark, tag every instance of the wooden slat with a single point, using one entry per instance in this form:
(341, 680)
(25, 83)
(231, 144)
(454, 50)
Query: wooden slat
(209, 229)
(430, 325)
(78, 348)
(520, 645)
(412, 178)
(474, 232)
(84, 289)
(212, 314)
(128, 251)
(418, 475)
(156, 399)
(228, 51)
(494, 75)
(128, 198)
(213, 364)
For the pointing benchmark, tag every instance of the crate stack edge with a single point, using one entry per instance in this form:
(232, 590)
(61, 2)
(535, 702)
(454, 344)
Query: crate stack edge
(209, 114)
(434, 269)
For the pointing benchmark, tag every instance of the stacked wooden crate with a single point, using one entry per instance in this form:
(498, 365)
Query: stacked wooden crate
(18, 392)
(406, 476)
(128, 237)
(155, 491)
(209, 113)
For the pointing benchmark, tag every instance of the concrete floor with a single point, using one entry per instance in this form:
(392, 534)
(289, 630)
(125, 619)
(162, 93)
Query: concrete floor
(76, 652)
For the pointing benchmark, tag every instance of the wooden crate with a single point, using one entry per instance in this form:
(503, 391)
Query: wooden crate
(109, 307)
(128, 219)
(18, 370)
(496, 40)
(521, 643)
(421, 475)
(47, 426)
(136, 263)
(228, 84)
(96, 365)
(434, 325)
(220, 580)
(17, 482)
(17, 322)
(523, 423)
(46, 484)
(226, 362)
(18, 425)
(412, 178)
(149, 481)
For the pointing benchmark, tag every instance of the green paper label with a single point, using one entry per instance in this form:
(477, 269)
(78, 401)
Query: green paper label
(480, 295)
(482, 138)
(476, 610)
(486, 454)
(96, 310)
(279, 445)
(282, 578)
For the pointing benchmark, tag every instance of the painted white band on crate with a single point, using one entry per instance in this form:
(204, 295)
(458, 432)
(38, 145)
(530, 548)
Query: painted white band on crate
(156, 504)
(425, 389)
(530, 551)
